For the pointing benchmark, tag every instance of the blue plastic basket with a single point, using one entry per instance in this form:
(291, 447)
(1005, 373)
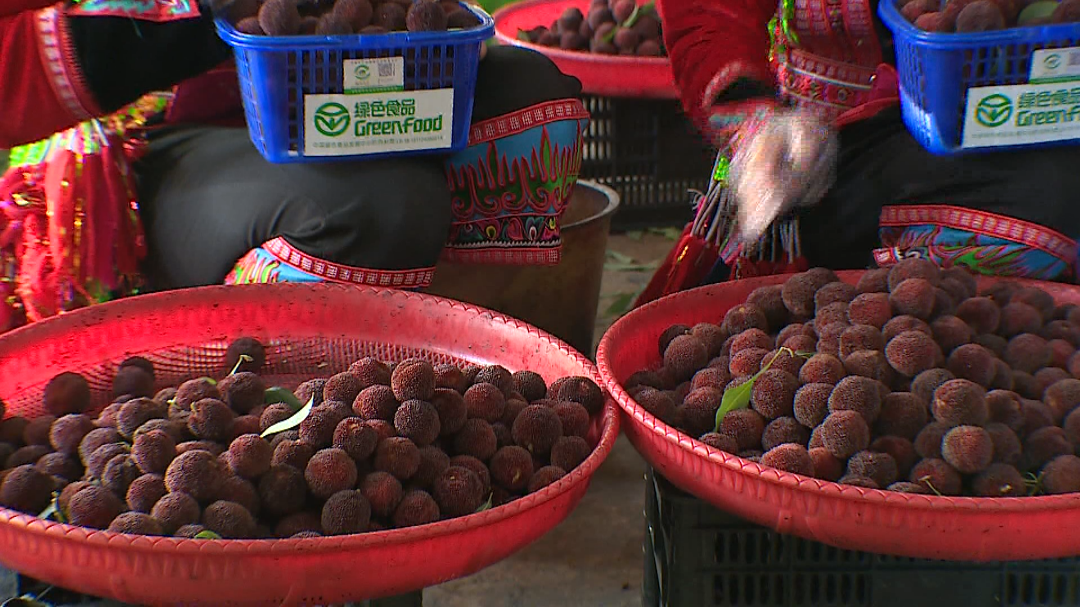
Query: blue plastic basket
(277, 74)
(937, 71)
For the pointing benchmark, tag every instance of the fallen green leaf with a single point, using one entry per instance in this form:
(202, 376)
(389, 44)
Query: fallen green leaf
(668, 233)
(294, 421)
(635, 235)
(207, 535)
(619, 257)
(630, 267)
(277, 394)
(620, 305)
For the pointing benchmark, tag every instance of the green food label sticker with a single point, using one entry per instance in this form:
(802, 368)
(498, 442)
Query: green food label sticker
(1055, 65)
(342, 125)
(381, 75)
(1021, 114)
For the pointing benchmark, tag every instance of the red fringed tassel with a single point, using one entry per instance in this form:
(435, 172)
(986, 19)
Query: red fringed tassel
(686, 265)
(70, 223)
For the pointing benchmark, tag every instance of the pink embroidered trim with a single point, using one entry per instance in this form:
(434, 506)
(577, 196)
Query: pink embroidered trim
(278, 247)
(495, 256)
(58, 53)
(981, 222)
(527, 118)
(819, 81)
(159, 11)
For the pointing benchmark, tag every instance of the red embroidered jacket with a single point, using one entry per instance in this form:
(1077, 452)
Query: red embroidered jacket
(836, 68)
(45, 89)
(42, 93)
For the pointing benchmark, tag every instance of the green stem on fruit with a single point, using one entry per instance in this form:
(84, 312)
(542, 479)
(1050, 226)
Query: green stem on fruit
(209, 380)
(739, 396)
(207, 535)
(244, 358)
(277, 394)
(926, 481)
(294, 421)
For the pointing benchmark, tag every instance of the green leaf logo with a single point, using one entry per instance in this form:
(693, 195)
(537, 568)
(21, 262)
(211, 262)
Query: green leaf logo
(331, 119)
(994, 110)
(1052, 61)
(362, 72)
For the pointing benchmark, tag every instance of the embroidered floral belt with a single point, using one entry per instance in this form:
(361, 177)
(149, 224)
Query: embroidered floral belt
(824, 85)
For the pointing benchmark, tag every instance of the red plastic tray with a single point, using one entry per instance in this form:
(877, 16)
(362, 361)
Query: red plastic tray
(185, 334)
(608, 75)
(886, 522)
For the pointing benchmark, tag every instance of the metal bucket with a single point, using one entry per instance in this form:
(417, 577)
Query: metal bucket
(561, 299)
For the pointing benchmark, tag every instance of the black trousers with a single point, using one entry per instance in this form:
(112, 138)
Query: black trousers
(208, 197)
(882, 165)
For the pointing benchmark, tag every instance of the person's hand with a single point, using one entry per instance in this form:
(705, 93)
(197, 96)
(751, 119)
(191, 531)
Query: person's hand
(782, 161)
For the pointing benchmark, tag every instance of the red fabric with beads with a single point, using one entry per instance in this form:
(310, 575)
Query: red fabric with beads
(33, 61)
(713, 44)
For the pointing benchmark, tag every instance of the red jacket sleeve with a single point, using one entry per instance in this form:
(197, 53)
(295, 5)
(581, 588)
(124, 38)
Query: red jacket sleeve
(712, 44)
(44, 91)
(14, 7)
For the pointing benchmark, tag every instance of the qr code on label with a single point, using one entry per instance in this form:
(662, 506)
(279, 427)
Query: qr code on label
(1074, 58)
(386, 68)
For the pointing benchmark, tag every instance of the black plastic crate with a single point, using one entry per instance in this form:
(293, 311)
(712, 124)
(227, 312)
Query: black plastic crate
(648, 151)
(698, 556)
(34, 593)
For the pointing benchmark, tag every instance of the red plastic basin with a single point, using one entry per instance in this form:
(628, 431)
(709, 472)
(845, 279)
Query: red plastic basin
(185, 334)
(921, 526)
(608, 75)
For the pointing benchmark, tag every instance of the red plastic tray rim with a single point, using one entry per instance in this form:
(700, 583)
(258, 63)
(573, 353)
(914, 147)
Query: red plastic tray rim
(608, 420)
(798, 481)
